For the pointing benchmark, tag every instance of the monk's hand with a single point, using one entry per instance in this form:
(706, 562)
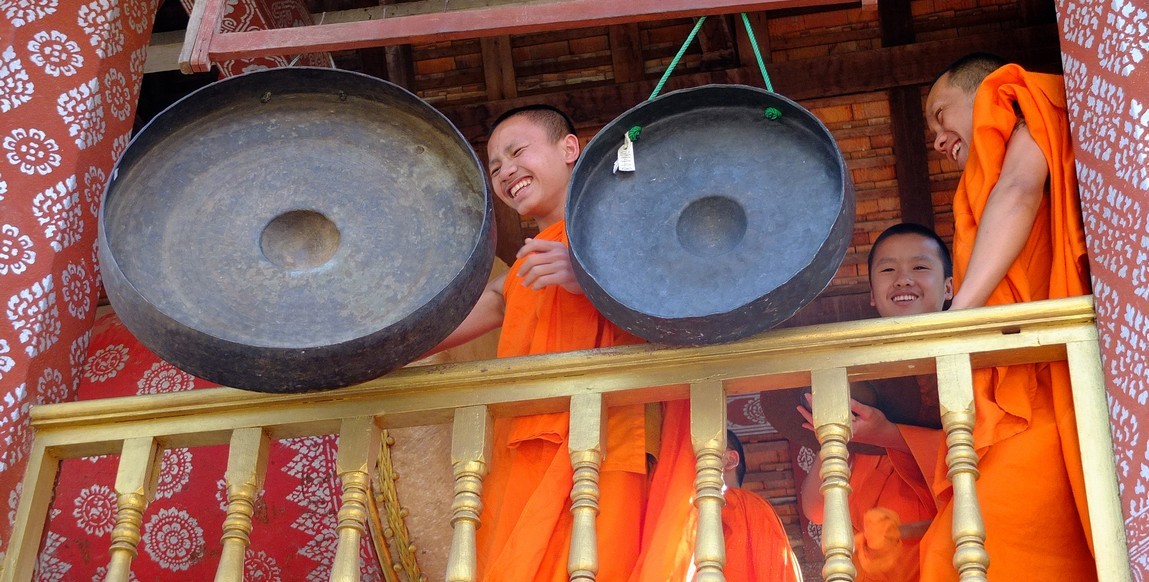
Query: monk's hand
(547, 263)
(870, 426)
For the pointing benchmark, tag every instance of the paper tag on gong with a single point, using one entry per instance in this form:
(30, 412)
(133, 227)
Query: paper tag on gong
(625, 161)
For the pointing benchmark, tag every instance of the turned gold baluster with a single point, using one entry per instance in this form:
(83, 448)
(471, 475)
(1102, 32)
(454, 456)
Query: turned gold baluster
(136, 480)
(955, 395)
(246, 464)
(1096, 444)
(359, 442)
(832, 426)
(708, 436)
(470, 452)
(587, 423)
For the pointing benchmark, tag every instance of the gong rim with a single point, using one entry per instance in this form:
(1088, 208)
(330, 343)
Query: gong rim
(652, 249)
(400, 316)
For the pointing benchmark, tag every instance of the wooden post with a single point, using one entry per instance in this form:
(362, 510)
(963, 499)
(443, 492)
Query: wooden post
(708, 435)
(587, 426)
(470, 452)
(955, 394)
(832, 425)
(246, 464)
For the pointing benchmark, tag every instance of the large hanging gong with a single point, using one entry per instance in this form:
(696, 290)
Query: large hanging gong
(296, 229)
(733, 219)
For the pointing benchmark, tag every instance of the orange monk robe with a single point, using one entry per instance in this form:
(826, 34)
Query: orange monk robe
(895, 482)
(1031, 486)
(757, 549)
(526, 522)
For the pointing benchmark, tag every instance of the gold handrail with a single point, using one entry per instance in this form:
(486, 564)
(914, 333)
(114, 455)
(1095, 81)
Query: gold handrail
(478, 391)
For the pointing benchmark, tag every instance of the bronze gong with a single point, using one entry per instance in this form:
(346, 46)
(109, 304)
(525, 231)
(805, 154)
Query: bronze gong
(733, 219)
(296, 229)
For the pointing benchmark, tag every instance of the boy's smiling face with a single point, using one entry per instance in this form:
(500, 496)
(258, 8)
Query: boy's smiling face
(530, 171)
(908, 276)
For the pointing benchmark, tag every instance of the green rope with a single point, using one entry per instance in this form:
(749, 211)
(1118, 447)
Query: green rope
(757, 54)
(677, 57)
(771, 113)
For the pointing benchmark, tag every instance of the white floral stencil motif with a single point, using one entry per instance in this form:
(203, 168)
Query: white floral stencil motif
(106, 362)
(806, 457)
(49, 566)
(33, 313)
(16, 253)
(52, 51)
(82, 109)
(173, 539)
(95, 510)
(6, 361)
(175, 474)
(100, 19)
(76, 356)
(163, 377)
(94, 181)
(260, 567)
(15, 88)
(58, 210)
(14, 441)
(119, 95)
(50, 388)
(32, 151)
(22, 12)
(76, 287)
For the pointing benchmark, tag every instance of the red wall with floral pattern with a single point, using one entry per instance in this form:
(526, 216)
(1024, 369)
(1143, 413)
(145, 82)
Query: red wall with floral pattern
(1105, 53)
(70, 73)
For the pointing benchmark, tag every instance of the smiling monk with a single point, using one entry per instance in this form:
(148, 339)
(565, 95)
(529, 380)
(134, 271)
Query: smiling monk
(891, 503)
(526, 522)
(1018, 236)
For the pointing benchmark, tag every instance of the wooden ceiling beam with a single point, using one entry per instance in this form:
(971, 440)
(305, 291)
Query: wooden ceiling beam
(844, 74)
(518, 18)
(498, 68)
(626, 53)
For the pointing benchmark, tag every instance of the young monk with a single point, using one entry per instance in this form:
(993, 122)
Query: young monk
(891, 503)
(526, 522)
(1018, 236)
(757, 547)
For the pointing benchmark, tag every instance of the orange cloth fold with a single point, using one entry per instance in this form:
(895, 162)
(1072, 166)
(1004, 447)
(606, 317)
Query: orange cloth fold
(757, 549)
(670, 521)
(1031, 486)
(526, 522)
(888, 491)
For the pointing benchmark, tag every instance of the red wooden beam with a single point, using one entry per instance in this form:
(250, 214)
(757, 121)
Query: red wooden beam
(475, 23)
(203, 27)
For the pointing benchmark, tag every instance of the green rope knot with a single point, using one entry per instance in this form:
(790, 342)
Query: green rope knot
(772, 113)
(634, 132)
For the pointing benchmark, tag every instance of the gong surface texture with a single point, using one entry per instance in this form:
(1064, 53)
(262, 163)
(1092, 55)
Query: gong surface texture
(296, 229)
(729, 225)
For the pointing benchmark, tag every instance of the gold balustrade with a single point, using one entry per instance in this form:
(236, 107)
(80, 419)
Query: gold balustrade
(826, 357)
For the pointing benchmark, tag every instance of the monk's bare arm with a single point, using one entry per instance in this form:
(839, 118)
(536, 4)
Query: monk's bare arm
(486, 315)
(813, 505)
(1007, 220)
